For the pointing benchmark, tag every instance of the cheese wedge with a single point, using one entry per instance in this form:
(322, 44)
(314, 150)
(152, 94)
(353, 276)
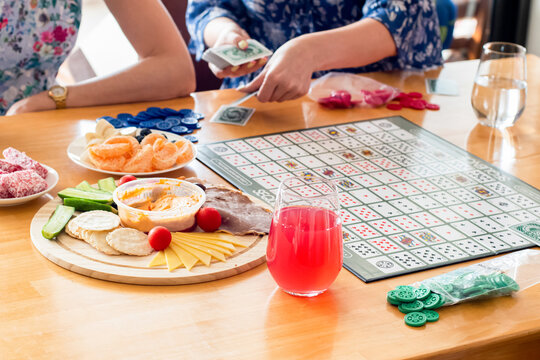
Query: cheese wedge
(173, 261)
(185, 257)
(158, 260)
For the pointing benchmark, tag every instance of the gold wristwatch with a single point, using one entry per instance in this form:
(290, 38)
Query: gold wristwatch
(58, 94)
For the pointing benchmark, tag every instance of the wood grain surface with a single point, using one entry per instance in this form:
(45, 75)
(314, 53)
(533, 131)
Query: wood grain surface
(47, 312)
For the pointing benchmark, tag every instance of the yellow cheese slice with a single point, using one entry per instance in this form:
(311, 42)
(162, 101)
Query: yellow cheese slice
(187, 259)
(224, 250)
(232, 239)
(215, 253)
(158, 260)
(173, 261)
(223, 245)
(201, 255)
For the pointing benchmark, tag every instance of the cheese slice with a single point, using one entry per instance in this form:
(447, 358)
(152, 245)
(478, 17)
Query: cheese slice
(222, 249)
(173, 261)
(222, 244)
(231, 239)
(201, 255)
(158, 260)
(185, 257)
(215, 253)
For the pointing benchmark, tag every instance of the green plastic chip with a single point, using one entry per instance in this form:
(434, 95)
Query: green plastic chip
(433, 301)
(415, 319)
(406, 308)
(405, 295)
(405, 287)
(391, 297)
(422, 293)
(431, 316)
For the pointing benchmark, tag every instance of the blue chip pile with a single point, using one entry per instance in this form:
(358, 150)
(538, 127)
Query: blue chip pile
(181, 122)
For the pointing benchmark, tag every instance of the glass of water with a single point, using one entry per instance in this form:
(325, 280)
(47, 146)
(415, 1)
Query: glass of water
(500, 86)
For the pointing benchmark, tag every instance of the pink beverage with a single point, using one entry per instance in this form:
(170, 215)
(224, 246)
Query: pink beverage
(305, 249)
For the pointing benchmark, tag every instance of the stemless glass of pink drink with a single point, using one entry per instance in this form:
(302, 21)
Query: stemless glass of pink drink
(305, 244)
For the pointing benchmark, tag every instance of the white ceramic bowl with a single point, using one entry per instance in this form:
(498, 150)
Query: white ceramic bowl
(52, 180)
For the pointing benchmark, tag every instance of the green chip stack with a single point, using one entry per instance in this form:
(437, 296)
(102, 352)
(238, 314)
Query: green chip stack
(417, 304)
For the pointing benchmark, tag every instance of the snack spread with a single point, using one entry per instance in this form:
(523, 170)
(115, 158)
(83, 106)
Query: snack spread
(20, 175)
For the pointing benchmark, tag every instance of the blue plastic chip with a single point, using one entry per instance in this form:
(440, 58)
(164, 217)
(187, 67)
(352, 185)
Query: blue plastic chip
(174, 120)
(198, 116)
(191, 138)
(190, 122)
(180, 130)
(149, 123)
(164, 125)
(185, 112)
(124, 116)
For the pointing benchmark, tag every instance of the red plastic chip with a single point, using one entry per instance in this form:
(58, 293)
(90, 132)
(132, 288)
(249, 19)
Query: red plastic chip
(417, 105)
(432, 107)
(394, 106)
(415, 95)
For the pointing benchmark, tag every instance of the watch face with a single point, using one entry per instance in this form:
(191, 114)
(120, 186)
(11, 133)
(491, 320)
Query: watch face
(57, 91)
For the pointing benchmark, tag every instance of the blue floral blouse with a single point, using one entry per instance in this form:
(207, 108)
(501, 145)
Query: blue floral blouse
(413, 24)
(36, 36)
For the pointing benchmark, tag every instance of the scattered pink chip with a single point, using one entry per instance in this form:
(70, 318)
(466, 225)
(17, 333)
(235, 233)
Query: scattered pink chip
(19, 158)
(432, 107)
(394, 106)
(8, 167)
(24, 183)
(417, 105)
(415, 95)
(4, 188)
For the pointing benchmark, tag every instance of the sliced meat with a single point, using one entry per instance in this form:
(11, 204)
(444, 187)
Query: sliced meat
(239, 215)
(14, 156)
(24, 183)
(4, 187)
(7, 167)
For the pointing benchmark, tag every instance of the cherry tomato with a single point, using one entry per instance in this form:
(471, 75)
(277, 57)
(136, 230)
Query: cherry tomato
(126, 178)
(208, 219)
(159, 238)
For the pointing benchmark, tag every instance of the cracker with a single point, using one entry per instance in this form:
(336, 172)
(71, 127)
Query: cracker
(98, 240)
(73, 230)
(97, 220)
(129, 241)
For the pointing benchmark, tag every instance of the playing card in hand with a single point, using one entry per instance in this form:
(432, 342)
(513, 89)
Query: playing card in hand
(231, 55)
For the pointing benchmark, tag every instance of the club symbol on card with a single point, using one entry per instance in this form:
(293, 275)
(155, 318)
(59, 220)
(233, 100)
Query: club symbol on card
(427, 236)
(291, 164)
(384, 264)
(406, 240)
(347, 184)
(482, 191)
(307, 176)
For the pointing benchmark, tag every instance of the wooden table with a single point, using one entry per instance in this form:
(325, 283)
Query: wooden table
(49, 312)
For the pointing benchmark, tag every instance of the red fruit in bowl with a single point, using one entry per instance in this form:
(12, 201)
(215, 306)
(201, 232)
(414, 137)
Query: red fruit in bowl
(159, 238)
(126, 178)
(208, 219)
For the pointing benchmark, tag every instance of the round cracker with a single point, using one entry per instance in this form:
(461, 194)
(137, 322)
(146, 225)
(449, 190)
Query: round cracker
(129, 241)
(73, 230)
(97, 220)
(98, 240)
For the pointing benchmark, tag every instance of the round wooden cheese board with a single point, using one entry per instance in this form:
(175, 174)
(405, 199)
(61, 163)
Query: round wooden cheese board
(78, 256)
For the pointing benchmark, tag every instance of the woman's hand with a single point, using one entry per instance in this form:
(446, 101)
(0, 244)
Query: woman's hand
(287, 75)
(37, 102)
(223, 31)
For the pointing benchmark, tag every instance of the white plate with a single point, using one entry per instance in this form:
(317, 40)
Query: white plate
(78, 146)
(52, 180)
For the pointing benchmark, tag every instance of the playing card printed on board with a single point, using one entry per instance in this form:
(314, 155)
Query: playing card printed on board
(364, 231)
(496, 174)
(329, 158)
(442, 182)
(500, 188)
(271, 168)
(428, 255)
(407, 260)
(535, 211)
(438, 154)
(484, 207)
(307, 176)
(384, 137)
(459, 165)
(465, 211)
(367, 139)
(332, 132)
(422, 170)
(423, 185)
(365, 213)
(296, 137)
(403, 174)
(277, 140)
(512, 238)
(347, 200)
(487, 224)
(385, 177)
(365, 196)
(323, 188)
(366, 180)
(347, 169)
(348, 218)
(461, 179)
(403, 147)
(426, 219)
(275, 154)
(385, 192)
(307, 191)
(363, 249)
(386, 150)
(313, 148)
(522, 201)
(294, 151)
(267, 182)
(349, 236)
(240, 146)
(428, 237)
(463, 195)
(251, 170)
(406, 223)
(476, 163)
(328, 173)
(471, 247)
(405, 205)
(420, 144)
(505, 219)
(479, 176)
(292, 183)
(367, 126)
(385, 209)
(367, 152)
(403, 160)
(441, 168)
(366, 166)
(349, 129)
(425, 201)
(385, 227)
(481, 191)
(404, 188)
(402, 134)
(259, 143)
(385, 264)
(348, 155)
(385, 125)
(221, 149)
(236, 160)
(444, 198)
(331, 145)
(492, 243)
(385, 245)
(446, 214)
(523, 215)
(385, 163)
(291, 164)
(450, 251)
(468, 228)
(310, 161)
(347, 184)
(420, 158)
(255, 157)
(349, 142)
(314, 135)
(448, 233)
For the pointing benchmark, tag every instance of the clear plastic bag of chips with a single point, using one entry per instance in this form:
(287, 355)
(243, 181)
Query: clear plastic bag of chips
(338, 90)
(496, 277)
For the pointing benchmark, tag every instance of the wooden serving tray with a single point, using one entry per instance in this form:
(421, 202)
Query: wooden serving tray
(78, 256)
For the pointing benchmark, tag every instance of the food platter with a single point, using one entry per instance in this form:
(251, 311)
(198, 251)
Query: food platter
(52, 180)
(79, 257)
(77, 147)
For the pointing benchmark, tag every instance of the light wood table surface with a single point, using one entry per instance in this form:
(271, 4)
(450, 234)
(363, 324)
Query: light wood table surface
(47, 312)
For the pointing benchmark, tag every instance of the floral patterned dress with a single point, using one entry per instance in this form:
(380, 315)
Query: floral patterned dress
(36, 36)
(413, 24)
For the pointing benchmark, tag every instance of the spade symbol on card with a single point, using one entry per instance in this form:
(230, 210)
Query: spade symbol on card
(232, 115)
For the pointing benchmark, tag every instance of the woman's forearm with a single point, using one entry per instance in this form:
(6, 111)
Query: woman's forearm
(216, 27)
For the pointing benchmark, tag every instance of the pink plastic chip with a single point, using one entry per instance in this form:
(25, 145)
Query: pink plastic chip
(14, 156)
(432, 107)
(394, 106)
(415, 95)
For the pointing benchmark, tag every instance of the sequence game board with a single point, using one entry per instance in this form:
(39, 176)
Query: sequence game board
(409, 200)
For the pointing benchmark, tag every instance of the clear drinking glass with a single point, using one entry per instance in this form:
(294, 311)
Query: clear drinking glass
(500, 85)
(305, 243)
